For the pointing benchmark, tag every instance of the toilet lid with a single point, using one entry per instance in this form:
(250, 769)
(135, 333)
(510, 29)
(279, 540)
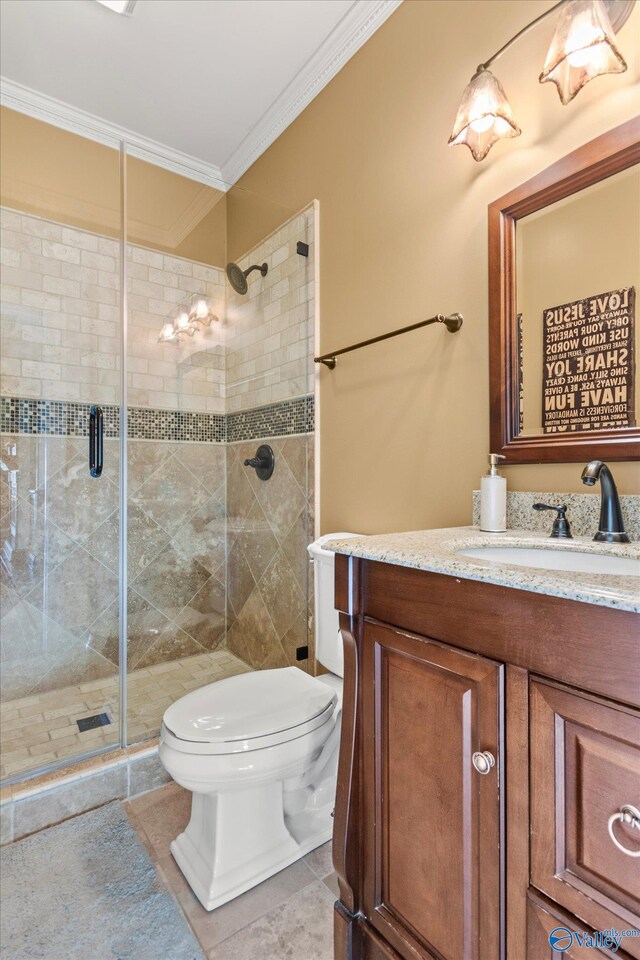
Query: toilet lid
(248, 706)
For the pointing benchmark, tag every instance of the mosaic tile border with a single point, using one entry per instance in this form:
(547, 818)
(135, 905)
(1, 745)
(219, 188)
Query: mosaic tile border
(146, 423)
(274, 420)
(56, 417)
(70, 419)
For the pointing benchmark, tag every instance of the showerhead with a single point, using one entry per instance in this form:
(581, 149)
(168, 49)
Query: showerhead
(238, 278)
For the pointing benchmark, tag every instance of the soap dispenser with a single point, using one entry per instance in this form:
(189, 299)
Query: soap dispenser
(493, 498)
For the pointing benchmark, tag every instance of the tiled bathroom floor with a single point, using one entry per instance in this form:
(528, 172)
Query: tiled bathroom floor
(288, 917)
(41, 729)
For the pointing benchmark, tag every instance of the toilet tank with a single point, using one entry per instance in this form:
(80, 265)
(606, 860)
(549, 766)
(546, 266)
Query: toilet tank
(328, 639)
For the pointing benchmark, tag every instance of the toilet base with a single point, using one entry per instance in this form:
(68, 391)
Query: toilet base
(226, 850)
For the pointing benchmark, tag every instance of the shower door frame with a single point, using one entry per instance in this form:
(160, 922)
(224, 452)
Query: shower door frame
(123, 473)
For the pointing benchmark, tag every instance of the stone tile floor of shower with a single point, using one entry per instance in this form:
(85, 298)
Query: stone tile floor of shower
(287, 917)
(42, 729)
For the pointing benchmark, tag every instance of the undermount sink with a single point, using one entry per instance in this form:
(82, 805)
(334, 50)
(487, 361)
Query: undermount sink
(545, 559)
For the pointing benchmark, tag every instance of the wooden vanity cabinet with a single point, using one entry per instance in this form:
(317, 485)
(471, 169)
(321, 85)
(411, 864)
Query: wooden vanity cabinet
(425, 708)
(443, 855)
(594, 748)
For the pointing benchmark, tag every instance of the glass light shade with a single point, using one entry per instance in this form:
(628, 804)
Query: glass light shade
(200, 309)
(167, 334)
(583, 47)
(183, 323)
(484, 116)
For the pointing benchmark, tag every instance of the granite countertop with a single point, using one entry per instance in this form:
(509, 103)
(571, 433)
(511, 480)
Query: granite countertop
(438, 552)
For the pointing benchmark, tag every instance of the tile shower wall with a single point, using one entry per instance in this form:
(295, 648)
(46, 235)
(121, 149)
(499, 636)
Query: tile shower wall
(269, 380)
(268, 528)
(59, 584)
(60, 320)
(270, 330)
(59, 589)
(60, 327)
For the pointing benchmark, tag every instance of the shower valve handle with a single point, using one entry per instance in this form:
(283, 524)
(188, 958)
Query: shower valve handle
(263, 463)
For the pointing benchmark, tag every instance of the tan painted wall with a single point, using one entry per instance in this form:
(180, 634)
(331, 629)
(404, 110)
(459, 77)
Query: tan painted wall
(60, 176)
(403, 227)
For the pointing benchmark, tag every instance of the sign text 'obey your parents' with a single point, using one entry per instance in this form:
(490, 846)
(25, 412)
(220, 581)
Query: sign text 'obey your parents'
(588, 377)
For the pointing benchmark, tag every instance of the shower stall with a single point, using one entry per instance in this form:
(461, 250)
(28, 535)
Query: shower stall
(139, 557)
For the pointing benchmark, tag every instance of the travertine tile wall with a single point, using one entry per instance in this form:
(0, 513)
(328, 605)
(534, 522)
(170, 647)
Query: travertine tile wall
(270, 330)
(59, 558)
(269, 524)
(61, 320)
(216, 558)
(193, 586)
(188, 375)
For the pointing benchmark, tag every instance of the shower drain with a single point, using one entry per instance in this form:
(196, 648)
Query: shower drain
(97, 720)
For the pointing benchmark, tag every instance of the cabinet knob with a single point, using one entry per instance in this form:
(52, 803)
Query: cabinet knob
(631, 816)
(483, 761)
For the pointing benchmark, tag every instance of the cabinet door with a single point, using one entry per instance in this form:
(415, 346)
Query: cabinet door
(432, 822)
(585, 767)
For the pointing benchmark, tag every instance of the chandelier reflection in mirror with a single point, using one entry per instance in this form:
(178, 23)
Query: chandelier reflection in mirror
(583, 47)
(187, 319)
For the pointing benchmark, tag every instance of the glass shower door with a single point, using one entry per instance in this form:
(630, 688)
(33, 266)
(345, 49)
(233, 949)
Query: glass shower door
(176, 254)
(59, 513)
(269, 400)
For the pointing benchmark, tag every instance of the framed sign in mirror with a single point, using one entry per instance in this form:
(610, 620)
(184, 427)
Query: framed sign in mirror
(564, 285)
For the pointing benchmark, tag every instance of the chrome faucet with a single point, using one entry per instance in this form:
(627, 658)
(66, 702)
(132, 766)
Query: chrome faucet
(611, 526)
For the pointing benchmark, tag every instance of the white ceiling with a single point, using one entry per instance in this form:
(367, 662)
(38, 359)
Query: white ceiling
(216, 80)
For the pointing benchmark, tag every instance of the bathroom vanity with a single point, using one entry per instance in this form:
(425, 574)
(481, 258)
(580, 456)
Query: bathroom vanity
(490, 749)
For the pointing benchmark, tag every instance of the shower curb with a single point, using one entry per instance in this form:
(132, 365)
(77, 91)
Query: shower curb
(32, 805)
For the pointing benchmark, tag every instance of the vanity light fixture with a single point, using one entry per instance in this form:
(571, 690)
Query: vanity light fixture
(583, 47)
(183, 324)
(187, 319)
(484, 115)
(199, 309)
(168, 333)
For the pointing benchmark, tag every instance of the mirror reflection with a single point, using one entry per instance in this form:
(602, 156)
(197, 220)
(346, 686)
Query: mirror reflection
(577, 279)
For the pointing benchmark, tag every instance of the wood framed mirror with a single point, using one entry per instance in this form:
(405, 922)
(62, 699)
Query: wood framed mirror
(564, 283)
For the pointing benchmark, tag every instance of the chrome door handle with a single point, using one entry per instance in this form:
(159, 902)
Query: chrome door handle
(631, 816)
(483, 762)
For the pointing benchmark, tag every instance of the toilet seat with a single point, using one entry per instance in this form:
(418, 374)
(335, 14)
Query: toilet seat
(250, 711)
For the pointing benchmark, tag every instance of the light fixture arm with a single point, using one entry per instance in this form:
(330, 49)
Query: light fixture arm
(616, 22)
(583, 26)
(516, 36)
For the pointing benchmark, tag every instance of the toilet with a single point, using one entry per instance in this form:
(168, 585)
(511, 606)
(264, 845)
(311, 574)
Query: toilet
(259, 752)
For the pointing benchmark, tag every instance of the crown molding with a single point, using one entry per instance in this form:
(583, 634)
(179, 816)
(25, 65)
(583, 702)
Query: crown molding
(16, 96)
(355, 28)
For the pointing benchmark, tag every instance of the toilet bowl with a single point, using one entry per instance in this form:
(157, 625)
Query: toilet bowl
(259, 752)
